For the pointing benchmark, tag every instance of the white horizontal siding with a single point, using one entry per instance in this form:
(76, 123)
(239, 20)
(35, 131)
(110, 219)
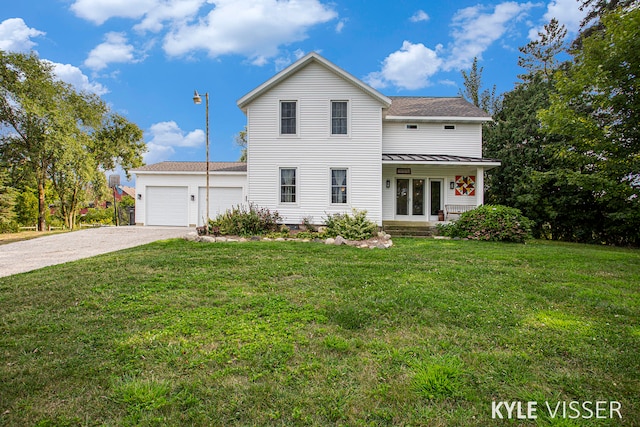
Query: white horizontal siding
(432, 138)
(313, 151)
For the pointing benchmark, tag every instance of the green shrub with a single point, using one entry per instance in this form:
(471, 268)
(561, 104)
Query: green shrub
(245, 221)
(351, 227)
(490, 222)
(98, 216)
(9, 226)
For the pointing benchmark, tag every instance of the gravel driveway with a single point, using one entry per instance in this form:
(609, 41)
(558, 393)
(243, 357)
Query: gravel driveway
(54, 249)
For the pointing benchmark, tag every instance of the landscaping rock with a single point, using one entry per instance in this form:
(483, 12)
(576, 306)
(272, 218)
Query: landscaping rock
(381, 242)
(191, 237)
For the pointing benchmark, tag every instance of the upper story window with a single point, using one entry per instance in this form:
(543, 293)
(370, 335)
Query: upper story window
(449, 127)
(413, 127)
(287, 185)
(339, 117)
(288, 115)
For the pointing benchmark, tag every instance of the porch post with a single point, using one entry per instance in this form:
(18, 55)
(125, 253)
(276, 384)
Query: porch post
(479, 186)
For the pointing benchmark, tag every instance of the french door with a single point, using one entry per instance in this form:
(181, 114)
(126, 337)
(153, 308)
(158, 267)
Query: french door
(415, 197)
(410, 198)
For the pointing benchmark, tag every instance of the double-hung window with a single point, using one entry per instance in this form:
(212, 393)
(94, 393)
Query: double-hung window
(338, 186)
(339, 117)
(287, 185)
(288, 115)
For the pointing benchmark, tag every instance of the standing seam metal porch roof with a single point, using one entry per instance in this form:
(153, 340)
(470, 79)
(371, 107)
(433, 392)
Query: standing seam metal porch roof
(436, 158)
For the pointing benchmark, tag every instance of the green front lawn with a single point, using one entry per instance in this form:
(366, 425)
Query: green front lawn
(427, 333)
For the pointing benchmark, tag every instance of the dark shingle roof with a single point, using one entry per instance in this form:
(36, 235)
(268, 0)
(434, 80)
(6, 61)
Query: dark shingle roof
(418, 106)
(193, 167)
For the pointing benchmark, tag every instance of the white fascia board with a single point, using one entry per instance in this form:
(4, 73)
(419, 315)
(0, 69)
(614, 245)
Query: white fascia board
(438, 119)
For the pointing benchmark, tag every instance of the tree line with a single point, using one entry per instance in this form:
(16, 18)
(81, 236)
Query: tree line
(55, 143)
(568, 134)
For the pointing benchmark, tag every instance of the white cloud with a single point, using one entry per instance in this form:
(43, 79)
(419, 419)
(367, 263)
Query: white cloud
(340, 25)
(165, 137)
(157, 153)
(567, 12)
(447, 83)
(254, 28)
(419, 16)
(15, 36)
(174, 11)
(75, 77)
(99, 11)
(475, 30)
(152, 13)
(408, 68)
(114, 49)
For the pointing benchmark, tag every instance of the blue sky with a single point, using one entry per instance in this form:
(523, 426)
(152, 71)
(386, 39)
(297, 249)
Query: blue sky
(146, 57)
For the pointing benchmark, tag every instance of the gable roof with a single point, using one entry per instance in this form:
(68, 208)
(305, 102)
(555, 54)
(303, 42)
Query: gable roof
(299, 65)
(421, 108)
(192, 167)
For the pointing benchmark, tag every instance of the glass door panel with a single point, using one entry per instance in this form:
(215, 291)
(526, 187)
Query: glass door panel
(418, 197)
(402, 197)
(436, 197)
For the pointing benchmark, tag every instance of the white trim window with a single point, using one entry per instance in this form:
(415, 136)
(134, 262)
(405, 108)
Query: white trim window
(288, 116)
(339, 116)
(339, 186)
(288, 185)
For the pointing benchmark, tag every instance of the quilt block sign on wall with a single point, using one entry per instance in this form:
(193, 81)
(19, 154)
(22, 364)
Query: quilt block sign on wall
(465, 185)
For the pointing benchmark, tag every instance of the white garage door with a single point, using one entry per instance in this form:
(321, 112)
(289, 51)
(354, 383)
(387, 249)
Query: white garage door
(220, 199)
(167, 206)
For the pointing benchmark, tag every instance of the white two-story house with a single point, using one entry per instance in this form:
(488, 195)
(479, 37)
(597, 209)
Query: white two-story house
(321, 141)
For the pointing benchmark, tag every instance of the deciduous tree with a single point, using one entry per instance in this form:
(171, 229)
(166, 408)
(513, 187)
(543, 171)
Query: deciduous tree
(596, 107)
(51, 133)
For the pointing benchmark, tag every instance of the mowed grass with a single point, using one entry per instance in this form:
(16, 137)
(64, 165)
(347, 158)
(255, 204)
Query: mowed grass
(427, 333)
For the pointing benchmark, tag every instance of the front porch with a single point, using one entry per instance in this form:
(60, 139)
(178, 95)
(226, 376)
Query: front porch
(418, 189)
